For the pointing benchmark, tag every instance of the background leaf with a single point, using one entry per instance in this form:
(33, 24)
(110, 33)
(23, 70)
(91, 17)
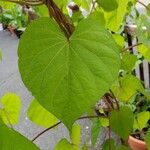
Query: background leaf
(65, 145)
(128, 61)
(0, 55)
(141, 120)
(127, 87)
(10, 108)
(95, 130)
(12, 140)
(40, 115)
(120, 119)
(108, 5)
(75, 135)
(148, 139)
(115, 18)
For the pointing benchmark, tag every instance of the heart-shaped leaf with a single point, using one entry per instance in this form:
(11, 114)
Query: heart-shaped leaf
(67, 76)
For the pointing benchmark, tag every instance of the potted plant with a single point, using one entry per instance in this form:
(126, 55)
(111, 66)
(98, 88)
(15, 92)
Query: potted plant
(141, 123)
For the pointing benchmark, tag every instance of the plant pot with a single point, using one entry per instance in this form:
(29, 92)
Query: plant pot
(136, 144)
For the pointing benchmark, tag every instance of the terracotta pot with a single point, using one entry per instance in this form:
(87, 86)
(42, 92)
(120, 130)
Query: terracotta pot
(136, 144)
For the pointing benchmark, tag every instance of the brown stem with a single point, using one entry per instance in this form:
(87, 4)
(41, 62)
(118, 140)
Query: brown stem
(60, 18)
(143, 4)
(55, 125)
(93, 6)
(58, 123)
(125, 49)
(116, 101)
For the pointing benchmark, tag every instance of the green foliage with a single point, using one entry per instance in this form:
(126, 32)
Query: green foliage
(128, 61)
(109, 144)
(75, 134)
(119, 120)
(72, 74)
(12, 140)
(141, 120)
(145, 51)
(108, 5)
(144, 37)
(95, 130)
(65, 145)
(0, 55)
(40, 115)
(119, 40)
(6, 5)
(13, 17)
(10, 108)
(115, 18)
(61, 3)
(148, 139)
(127, 87)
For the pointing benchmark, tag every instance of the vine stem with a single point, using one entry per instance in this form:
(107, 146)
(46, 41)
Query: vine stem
(93, 6)
(60, 18)
(143, 4)
(58, 123)
(132, 46)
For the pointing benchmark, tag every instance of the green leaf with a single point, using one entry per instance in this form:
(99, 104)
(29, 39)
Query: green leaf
(109, 145)
(122, 148)
(115, 18)
(10, 108)
(104, 122)
(144, 36)
(0, 55)
(40, 115)
(64, 75)
(95, 130)
(61, 3)
(12, 140)
(121, 121)
(145, 51)
(65, 145)
(127, 87)
(98, 16)
(43, 10)
(108, 5)
(128, 61)
(119, 40)
(141, 120)
(75, 136)
(84, 147)
(7, 5)
(148, 139)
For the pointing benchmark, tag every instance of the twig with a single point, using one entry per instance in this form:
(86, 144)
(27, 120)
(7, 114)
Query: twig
(60, 18)
(125, 49)
(116, 101)
(93, 6)
(58, 123)
(46, 130)
(143, 4)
